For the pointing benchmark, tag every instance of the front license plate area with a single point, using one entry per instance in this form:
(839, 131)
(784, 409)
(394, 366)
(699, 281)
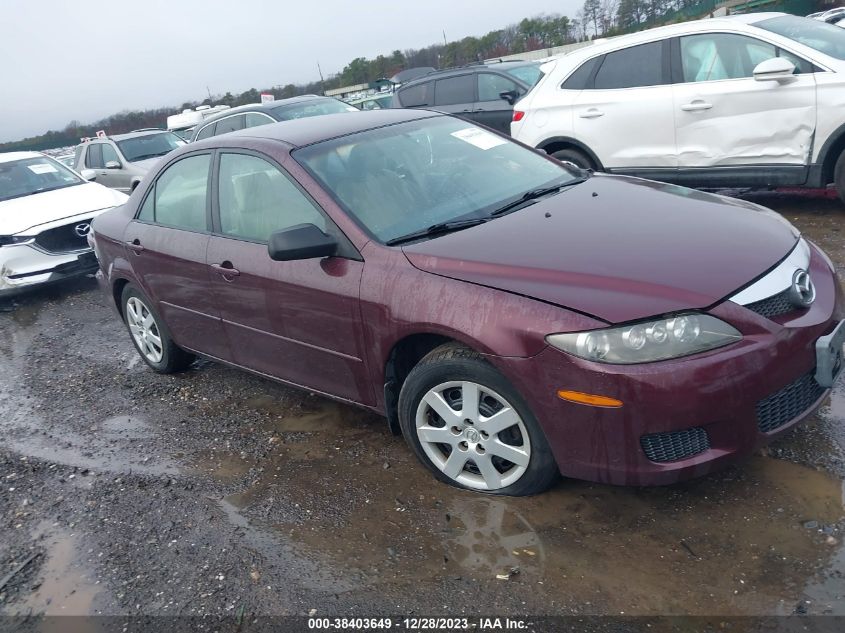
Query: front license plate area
(829, 356)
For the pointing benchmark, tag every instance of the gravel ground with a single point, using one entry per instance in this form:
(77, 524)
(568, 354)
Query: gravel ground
(216, 493)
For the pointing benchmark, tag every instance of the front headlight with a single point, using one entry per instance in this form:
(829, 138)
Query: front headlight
(676, 336)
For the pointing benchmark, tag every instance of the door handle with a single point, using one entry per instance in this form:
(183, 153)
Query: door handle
(696, 105)
(135, 246)
(226, 269)
(591, 113)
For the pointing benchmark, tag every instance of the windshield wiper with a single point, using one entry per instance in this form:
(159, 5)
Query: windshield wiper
(437, 229)
(533, 195)
(146, 156)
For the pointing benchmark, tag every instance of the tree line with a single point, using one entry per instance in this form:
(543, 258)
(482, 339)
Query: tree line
(596, 18)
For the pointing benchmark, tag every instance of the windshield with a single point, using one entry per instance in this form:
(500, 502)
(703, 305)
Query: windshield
(528, 75)
(400, 179)
(825, 38)
(34, 175)
(149, 146)
(306, 109)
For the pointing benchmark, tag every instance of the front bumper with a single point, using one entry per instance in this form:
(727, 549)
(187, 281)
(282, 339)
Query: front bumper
(23, 266)
(740, 397)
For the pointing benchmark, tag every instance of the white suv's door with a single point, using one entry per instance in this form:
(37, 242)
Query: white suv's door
(624, 113)
(726, 118)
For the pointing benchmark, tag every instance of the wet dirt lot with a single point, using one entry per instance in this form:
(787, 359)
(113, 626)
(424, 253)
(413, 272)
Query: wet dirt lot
(216, 492)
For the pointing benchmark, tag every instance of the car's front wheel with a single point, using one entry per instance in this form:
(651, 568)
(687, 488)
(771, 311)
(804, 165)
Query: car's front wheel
(469, 425)
(839, 176)
(150, 335)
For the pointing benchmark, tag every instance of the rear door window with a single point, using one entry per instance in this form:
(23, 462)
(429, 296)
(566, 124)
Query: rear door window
(417, 96)
(230, 124)
(634, 67)
(181, 194)
(452, 90)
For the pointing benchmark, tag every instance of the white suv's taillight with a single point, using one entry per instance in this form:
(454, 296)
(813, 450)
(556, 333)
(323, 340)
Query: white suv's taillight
(518, 115)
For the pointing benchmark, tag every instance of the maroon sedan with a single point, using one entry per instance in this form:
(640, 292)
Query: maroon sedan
(511, 316)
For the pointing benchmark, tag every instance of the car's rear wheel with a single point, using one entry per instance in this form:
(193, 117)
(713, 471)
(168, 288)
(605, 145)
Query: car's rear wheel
(839, 176)
(149, 334)
(469, 425)
(574, 156)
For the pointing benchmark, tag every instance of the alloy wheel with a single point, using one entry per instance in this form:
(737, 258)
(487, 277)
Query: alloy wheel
(473, 435)
(144, 329)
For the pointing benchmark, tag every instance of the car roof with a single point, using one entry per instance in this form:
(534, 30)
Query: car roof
(259, 107)
(8, 157)
(136, 134)
(311, 130)
(603, 45)
(494, 65)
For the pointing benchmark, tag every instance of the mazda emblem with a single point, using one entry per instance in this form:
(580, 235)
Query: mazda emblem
(802, 292)
(82, 230)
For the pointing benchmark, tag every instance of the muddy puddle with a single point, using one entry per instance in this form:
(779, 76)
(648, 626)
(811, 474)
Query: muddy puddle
(337, 490)
(60, 586)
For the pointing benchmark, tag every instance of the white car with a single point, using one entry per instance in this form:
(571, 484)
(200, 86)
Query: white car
(46, 211)
(750, 100)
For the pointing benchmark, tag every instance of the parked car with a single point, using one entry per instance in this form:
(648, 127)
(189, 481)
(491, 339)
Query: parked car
(45, 217)
(68, 160)
(120, 161)
(484, 93)
(373, 102)
(512, 316)
(270, 112)
(744, 101)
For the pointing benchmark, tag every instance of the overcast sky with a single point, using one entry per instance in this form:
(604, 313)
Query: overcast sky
(86, 59)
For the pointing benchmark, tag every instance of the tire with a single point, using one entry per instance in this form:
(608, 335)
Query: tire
(444, 377)
(150, 335)
(839, 176)
(574, 156)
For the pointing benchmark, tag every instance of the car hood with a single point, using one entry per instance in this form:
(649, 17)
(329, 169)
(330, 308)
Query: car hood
(19, 215)
(617, 248)
(143, 166)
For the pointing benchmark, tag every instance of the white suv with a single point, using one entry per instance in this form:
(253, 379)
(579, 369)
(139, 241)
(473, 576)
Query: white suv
(744, 101)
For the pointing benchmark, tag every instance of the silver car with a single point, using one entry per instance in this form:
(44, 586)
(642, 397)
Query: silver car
(121, 161)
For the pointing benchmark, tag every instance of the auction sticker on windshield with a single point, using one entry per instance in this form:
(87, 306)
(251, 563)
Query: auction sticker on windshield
(43, 168)
(479, 138)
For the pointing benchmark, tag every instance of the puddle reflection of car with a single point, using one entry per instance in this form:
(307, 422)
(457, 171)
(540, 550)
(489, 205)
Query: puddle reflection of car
(513, 317)
(45, 216)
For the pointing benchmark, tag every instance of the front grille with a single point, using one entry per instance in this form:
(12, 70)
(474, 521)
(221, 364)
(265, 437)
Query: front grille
(788, 403)
(674, 445)
(63, 239)
(773, 306)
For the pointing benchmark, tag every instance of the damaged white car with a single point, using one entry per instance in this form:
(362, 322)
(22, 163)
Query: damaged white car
(749, 100)
(46, 211)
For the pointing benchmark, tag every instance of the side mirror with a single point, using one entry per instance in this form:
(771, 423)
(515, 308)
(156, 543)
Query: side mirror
(88, 174)
(775, 69)
(510, 96)
(304, 241)
(112, 164)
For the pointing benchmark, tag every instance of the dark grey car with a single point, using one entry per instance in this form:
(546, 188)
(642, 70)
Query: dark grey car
(484, 93)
